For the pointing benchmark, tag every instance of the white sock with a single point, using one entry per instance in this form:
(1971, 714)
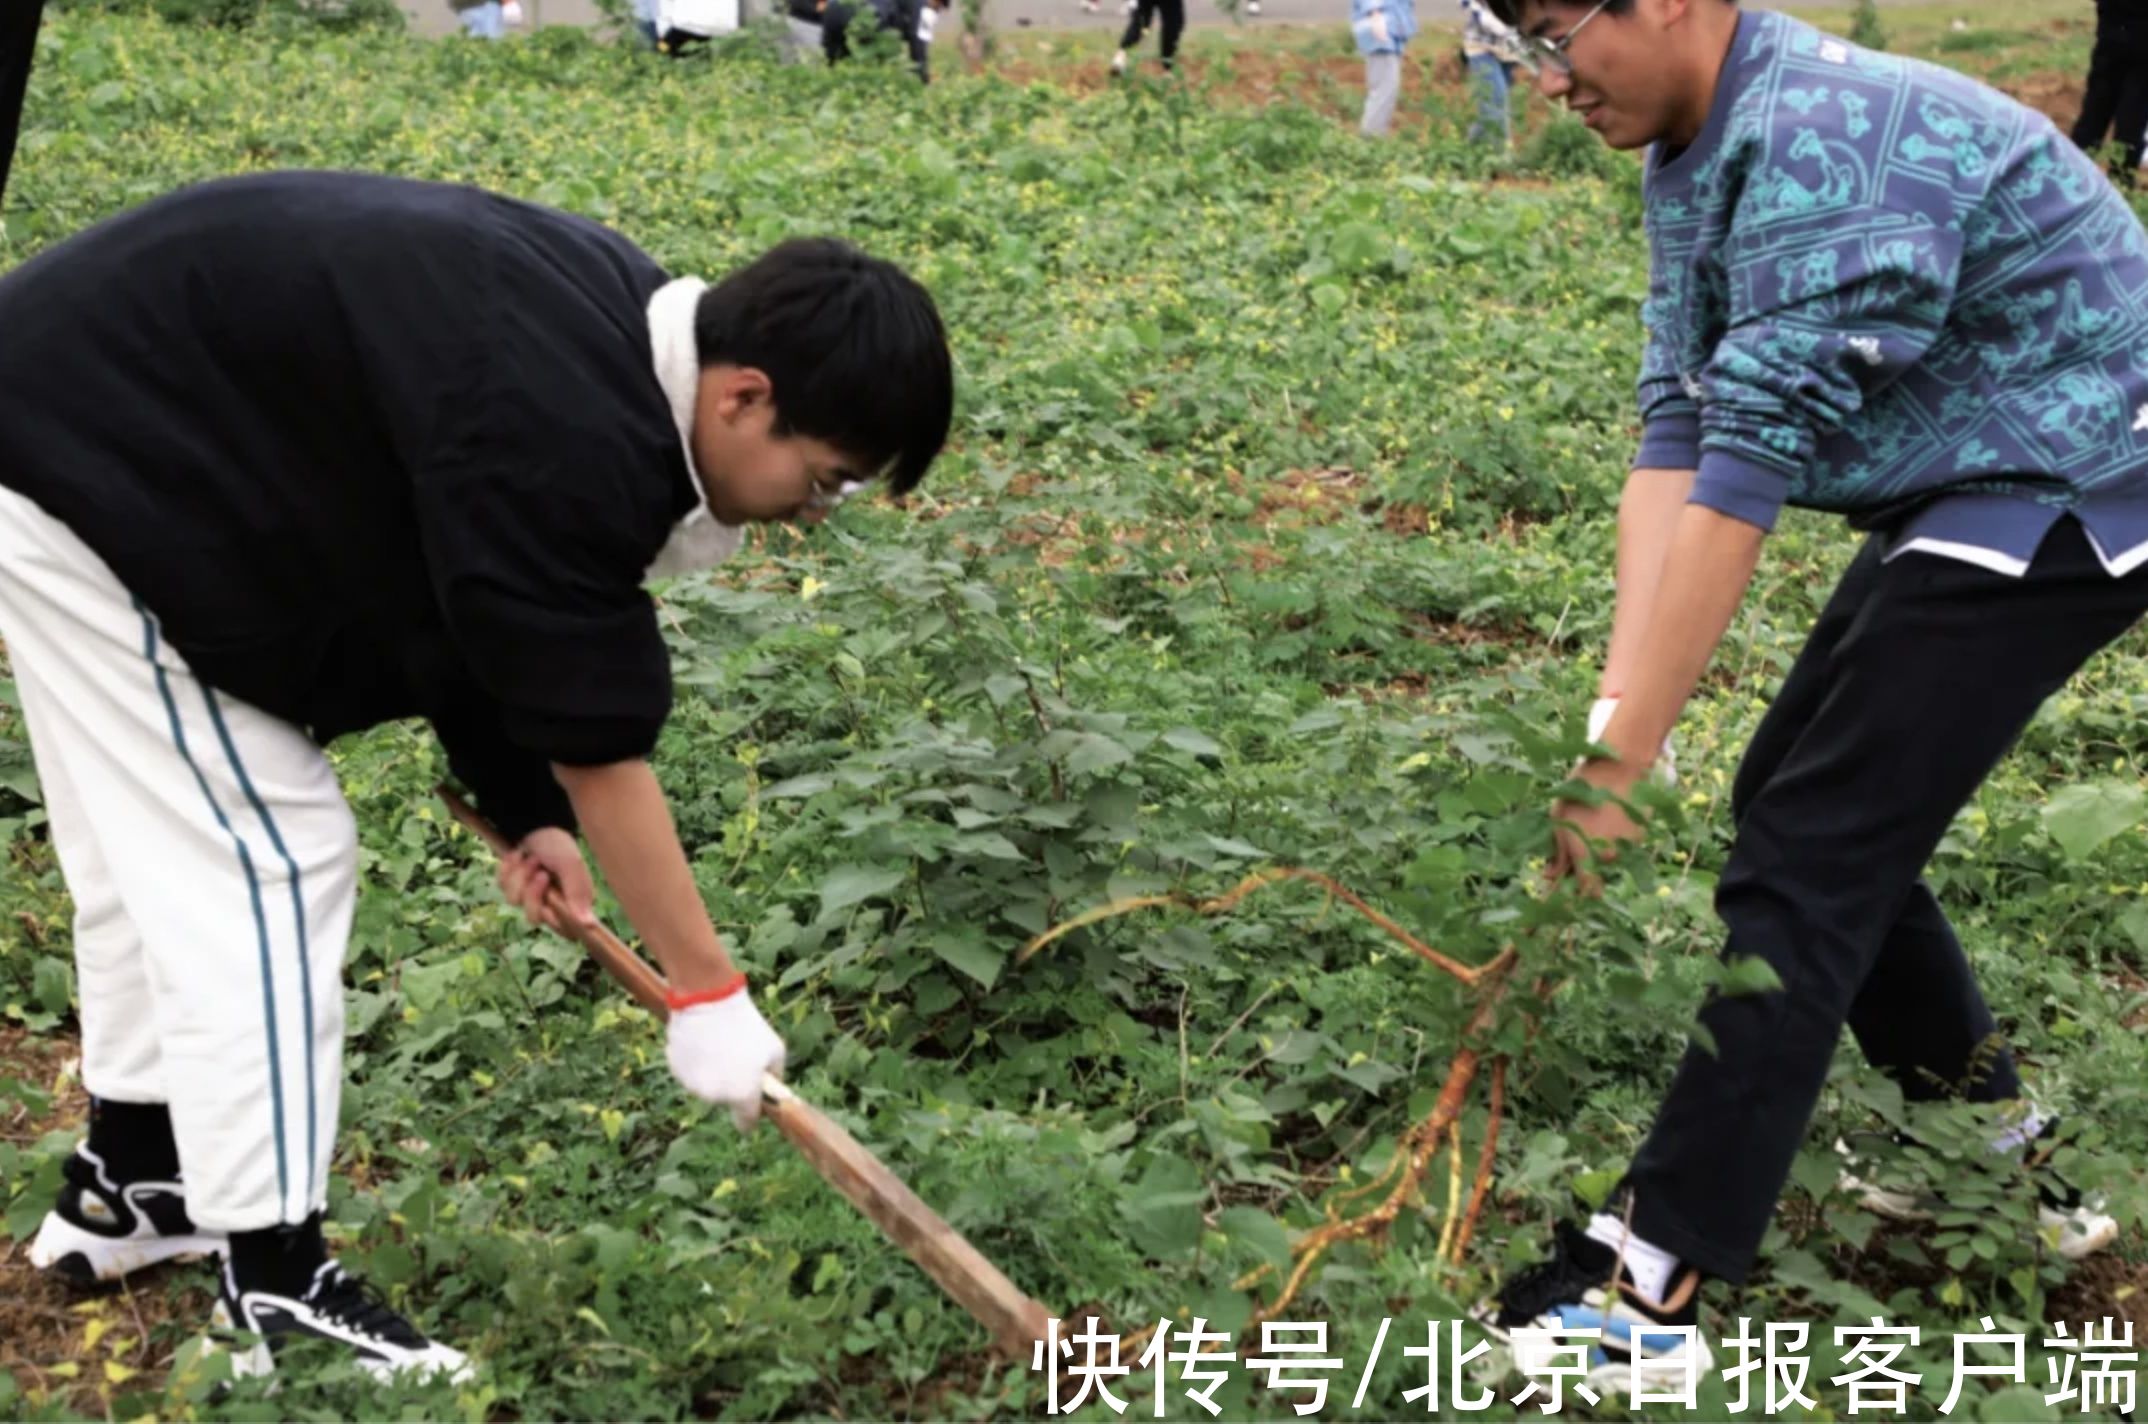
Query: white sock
(1650, 1266)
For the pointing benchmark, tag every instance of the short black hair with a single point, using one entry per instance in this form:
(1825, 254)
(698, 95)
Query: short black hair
(852, 344)
(1510, 10)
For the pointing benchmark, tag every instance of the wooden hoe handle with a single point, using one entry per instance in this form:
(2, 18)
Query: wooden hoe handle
(1013, 1319)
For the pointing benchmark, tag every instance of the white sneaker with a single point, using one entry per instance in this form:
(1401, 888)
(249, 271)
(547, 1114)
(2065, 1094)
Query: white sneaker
(101, 1230)
(2077, 1232)
(1908, 1207)
(2074, 1231)
(337, 1307)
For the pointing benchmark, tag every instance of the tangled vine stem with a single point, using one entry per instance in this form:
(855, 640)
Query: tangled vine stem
(1404, 1174)
(1483, 1187)
(1228, 901)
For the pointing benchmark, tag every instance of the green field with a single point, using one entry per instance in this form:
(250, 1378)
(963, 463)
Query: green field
(1277, 530)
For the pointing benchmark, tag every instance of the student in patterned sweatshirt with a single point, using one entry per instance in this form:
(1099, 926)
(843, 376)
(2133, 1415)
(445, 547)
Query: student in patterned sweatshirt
(1881, 289)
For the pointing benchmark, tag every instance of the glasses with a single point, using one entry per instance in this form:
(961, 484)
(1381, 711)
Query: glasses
(1540, 53)
(822, 500)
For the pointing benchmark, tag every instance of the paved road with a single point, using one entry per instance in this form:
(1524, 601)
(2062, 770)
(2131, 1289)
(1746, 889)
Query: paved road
(434, 16)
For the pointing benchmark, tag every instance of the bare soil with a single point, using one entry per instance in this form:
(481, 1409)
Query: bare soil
(120, 1339)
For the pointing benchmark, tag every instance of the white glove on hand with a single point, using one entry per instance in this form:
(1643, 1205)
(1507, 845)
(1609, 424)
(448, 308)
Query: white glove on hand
(1666, 766)
(1378, 26)
(719, 1051)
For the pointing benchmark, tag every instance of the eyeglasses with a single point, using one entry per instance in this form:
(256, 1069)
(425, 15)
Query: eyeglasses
(1540, 53)
(822, 500)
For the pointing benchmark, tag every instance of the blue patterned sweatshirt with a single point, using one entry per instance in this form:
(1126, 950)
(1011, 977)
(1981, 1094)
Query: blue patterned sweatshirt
(1881, 288)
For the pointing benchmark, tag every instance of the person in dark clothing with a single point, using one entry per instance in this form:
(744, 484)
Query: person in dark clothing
(803, 19)
(2116, 101)
(18, 45)
(898, 17)
(1174, 25)
(290, 455)
(928, 22)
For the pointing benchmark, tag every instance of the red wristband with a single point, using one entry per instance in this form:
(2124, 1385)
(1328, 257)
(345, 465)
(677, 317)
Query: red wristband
(676, 1001)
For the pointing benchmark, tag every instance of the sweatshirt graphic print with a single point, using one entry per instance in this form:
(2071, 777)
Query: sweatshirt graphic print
(1881, 288)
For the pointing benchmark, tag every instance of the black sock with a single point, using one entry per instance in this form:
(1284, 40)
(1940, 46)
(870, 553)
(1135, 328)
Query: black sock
(134, 1141)
(2051, 1190)
(280, 1259)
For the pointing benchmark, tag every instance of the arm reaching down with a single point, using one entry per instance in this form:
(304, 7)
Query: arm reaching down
(628, 825)
(1705, 575)
(718, 1044)
(1648, 516)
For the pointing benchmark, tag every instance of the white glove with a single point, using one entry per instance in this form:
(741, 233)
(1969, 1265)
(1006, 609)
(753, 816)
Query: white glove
(1378, 26)
(511, 12)
(1600, 718)
(719, 1051)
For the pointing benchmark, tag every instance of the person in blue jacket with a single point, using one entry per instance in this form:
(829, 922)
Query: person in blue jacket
(1383, 29)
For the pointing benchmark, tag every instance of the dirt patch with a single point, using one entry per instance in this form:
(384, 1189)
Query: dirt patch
(2055, 95)
(2104, 1285)
(57, 1342)
(1302, 498)
(1335, 83)
(1448, 633)
(2101, 1287)
(1249, 78)
(1410, 687)
(1297, 498)
(48, 1062)
(2134, 986)
(84, 1348)
(1406, 520)
(1256, 79)
(1059, 540)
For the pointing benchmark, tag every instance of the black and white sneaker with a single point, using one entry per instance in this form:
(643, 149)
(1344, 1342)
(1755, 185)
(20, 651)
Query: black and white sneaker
(101, 1229)
(337, 1307)
(1640, 1343)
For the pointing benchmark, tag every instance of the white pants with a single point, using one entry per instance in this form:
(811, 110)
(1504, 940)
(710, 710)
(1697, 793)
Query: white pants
(804, 40)
(213, 862)
(1383, 83)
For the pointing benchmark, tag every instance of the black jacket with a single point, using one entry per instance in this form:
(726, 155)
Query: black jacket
(367, 448)
(900, 16)
(2122, 25)
(18, 44)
